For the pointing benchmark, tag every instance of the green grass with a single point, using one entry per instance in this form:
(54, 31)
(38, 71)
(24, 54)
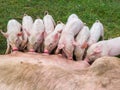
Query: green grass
(107, 11)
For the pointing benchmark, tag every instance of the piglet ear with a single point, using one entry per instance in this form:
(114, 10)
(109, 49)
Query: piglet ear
(56, 36)
(85, 45)
(74, 43)
(42, 34)
(45, 34)
(26, 31)
(98, 49)
(59, 31)
(19, 34)
(4, 34)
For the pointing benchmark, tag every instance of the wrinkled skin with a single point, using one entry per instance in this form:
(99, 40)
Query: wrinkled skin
(28, 71)
(13, 35)
(104, 48)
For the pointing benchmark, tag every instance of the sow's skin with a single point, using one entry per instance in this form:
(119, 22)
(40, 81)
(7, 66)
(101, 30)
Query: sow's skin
(25, 71)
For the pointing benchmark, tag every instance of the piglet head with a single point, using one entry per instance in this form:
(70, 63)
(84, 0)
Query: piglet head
(50, 42)
(14, 41)
(94, 52)
(34, 41)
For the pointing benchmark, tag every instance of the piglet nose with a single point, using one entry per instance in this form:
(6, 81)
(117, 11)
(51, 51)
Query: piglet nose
(15, 49)
(45, 51)
(31, 50)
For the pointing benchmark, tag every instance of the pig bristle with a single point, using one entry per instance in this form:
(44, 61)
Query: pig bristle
(46, 12)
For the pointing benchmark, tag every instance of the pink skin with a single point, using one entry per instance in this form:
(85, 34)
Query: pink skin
(14, 49)
(31, 50)
(46, 51)
(96, 32)
(45, 59)
(71, 29)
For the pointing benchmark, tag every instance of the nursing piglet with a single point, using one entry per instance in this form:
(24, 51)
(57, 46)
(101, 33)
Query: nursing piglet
(27, 23)
(104, 48)
(65, 44)
(71, 17)
(51, 41)
(13, 35)
(36, 36)
(49, 24)
(81, 42)
(96, 32)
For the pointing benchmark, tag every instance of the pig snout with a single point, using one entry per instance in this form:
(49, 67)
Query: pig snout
(14, 49)
(46, 51)
(31, 50)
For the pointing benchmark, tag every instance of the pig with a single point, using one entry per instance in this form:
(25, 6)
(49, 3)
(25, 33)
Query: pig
(65, 44)
(27, 23)
(72, 16)
(49, 23)
(23, 71)
(36, 37)
(81, 42)
(51, 41)
(13, 35)
(96, 32)
(104, 48)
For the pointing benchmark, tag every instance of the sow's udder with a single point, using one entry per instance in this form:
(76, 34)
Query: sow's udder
(55, 60)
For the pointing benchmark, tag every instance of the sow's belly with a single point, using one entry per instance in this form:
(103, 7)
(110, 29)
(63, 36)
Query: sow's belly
(45, 59)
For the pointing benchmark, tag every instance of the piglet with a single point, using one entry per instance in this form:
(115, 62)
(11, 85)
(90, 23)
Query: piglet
(65, 44)
(13, 35)
(36, 36)
(51, 41)
(81, 42)
(49, 23)
(96, 32)
(71, 17)
(104, 48)
(27, 23)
